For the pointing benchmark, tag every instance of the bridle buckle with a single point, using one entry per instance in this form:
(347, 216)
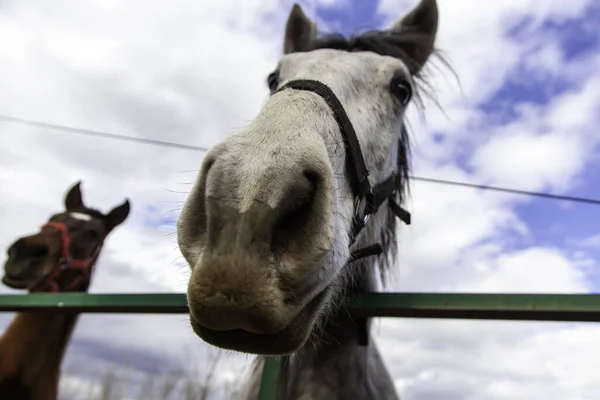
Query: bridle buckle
(358, 208)
(64, 262)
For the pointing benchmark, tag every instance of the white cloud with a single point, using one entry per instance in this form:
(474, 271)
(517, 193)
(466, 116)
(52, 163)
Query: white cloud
(193, 72)
(182, 72)
(491, 360)
(539, 270)
(592, 241)
(472, 241)
(548, 146)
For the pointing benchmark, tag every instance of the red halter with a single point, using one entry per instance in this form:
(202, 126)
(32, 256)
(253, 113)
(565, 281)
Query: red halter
(66, 262)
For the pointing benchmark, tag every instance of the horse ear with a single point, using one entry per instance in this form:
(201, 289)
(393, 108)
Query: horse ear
(421, 24)
(73, 199)
(117, 215)
(299, 31)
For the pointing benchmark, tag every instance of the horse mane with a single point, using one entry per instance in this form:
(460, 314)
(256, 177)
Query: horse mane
(400, 46)
(384, 43)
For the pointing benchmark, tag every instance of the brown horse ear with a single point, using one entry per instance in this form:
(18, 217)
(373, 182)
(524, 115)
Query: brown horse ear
(299, 31)
(117, 215)
(73, 199)
(422, 24)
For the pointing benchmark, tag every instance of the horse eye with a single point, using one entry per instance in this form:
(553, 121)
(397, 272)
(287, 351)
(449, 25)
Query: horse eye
(402, 90)
(273, 81)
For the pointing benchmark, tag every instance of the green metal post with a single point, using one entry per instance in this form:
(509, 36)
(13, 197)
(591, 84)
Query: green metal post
(270, 377)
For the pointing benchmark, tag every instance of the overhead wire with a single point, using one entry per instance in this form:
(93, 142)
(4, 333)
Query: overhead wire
(113, 136)
(89, 132)
(509, 190)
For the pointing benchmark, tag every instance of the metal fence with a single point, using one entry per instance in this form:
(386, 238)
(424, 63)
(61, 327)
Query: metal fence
(523, 307)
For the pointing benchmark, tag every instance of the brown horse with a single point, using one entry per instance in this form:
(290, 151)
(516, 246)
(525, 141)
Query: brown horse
(59, 258)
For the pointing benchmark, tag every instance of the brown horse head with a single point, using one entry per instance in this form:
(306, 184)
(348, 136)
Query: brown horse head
(61, 255)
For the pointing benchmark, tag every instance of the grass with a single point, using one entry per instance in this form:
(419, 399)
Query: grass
(122, 383)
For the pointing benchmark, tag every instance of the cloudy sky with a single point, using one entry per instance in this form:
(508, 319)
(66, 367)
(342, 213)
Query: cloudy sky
(525, 116)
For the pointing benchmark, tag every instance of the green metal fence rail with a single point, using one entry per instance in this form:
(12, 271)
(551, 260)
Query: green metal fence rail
(530, 307)
(541, 307)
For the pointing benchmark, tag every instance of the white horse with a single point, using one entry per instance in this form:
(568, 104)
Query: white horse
(274, 224)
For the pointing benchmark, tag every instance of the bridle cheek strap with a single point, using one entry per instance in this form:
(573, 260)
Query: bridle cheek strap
(355, 163)
(366, 200)
(49, 283)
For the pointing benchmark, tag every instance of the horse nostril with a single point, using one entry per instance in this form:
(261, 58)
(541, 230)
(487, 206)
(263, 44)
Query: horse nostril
(294, 211)
(17, 248)
(38, 251)
(22, 250)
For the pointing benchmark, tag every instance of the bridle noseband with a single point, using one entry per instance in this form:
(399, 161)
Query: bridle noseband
(49, 282)
(367, 200)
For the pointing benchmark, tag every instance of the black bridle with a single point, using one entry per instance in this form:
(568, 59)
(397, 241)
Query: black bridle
(367, 200)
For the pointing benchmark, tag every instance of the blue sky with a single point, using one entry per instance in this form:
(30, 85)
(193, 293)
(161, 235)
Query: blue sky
(356, 16)
(552, 223)
(529, 72)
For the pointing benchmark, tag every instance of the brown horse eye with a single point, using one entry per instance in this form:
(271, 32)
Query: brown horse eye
(273, 81)
(402, 90)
